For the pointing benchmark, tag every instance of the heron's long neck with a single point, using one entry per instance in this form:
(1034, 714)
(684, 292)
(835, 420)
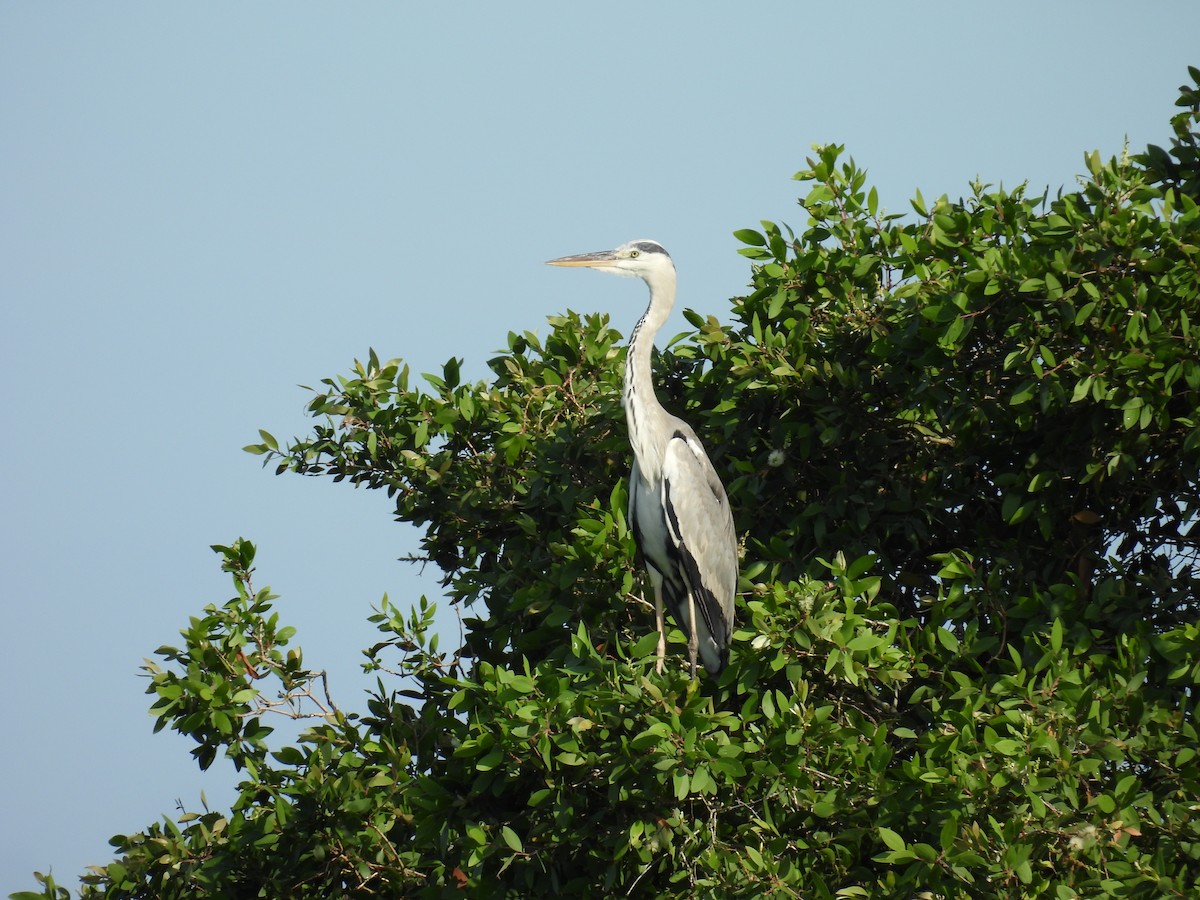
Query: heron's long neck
(643, 412)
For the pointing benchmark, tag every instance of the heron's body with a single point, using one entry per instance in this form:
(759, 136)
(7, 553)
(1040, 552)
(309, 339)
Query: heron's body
(677, 505)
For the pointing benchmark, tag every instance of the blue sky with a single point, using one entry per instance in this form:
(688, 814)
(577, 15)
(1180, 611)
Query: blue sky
(204, 205)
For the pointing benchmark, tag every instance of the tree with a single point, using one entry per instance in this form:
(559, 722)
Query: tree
(962, 449)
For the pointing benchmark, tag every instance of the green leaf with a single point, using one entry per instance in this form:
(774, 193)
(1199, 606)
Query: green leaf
(512, 839)
(777, 304)
(947, 639)
(751, 237)
(682, 783)
(890, 838)
(646, 645)
(1008, 747)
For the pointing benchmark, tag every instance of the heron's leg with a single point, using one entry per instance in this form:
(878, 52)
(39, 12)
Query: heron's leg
(661, 626)
(693, 635)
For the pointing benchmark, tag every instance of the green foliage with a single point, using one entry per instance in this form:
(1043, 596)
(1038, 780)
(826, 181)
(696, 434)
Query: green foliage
(1178, 167)
(962, 449)
(502, 477)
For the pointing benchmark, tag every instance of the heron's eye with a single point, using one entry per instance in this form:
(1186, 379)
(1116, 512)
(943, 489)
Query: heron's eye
(634, 254)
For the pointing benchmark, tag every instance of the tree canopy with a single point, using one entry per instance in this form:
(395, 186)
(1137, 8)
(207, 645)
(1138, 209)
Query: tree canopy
(962, 446)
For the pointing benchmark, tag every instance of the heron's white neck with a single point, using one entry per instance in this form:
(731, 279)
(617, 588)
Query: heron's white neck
(643, 412)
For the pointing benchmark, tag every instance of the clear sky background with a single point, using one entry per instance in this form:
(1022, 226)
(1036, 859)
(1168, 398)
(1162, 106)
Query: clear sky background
(204, 205)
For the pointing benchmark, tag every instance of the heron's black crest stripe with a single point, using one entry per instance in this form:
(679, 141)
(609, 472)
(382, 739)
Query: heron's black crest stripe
(651, 247)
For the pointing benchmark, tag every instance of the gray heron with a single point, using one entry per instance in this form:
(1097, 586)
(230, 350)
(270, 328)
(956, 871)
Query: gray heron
(677, 505)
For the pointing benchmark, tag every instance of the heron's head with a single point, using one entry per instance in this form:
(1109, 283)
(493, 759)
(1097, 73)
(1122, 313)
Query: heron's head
(645, 259)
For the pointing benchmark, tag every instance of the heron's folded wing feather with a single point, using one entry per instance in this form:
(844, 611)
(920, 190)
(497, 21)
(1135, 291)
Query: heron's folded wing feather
(701, 527)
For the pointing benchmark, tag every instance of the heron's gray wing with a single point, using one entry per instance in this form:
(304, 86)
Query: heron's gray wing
(700, 527)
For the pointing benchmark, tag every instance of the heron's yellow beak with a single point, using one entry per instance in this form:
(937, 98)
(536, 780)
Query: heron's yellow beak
(591, 260)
